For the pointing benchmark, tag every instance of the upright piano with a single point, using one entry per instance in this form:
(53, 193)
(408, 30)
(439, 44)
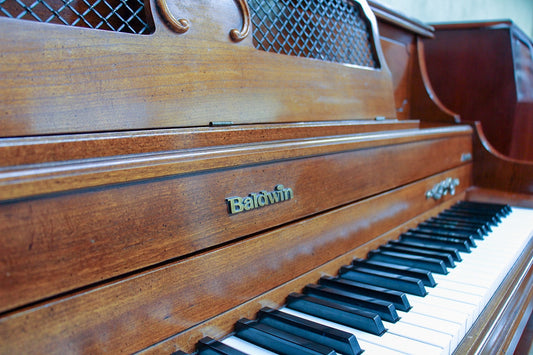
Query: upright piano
(217, 176)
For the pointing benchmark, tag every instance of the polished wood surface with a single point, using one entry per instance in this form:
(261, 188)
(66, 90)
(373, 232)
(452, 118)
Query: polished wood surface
(139, 310)
(491, 68)
(165, 215)
(117, 81)
(119, 152)
(496, 171)
(401, 40)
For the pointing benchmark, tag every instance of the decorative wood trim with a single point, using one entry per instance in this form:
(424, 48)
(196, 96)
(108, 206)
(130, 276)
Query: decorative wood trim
(425, 102)
(24, 181)
(237, 35)
(179, 25)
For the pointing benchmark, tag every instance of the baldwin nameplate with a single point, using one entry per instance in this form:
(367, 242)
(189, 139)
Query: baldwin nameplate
(259, 199)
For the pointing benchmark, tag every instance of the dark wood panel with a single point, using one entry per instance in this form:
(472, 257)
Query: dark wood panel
(132, 313)
(492, 70)
(59, 243)
(495, 171)
(414, 95)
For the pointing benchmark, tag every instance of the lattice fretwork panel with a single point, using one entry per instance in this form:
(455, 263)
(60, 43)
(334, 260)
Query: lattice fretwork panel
(331, 30)
(112, 15)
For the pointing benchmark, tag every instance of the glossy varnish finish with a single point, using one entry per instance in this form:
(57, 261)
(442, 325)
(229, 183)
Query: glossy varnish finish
(116, 235)
(52, 245)
(491, 67)
(115, 81)
(401, 40)
(142, 309)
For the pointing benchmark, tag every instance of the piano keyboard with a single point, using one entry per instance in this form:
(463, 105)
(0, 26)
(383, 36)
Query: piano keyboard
(418, 295)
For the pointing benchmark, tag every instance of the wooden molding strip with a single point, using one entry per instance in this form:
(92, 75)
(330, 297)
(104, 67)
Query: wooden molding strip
(23, 181)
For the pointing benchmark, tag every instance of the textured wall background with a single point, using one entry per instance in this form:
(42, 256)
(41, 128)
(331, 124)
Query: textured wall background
(437, 11)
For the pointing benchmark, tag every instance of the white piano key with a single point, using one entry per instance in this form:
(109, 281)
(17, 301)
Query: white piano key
(456, 294)
(387, 340)
(442, 313)
(466, 310)
(422, 334)
(438, 322)
(246, 347)
(440, 325)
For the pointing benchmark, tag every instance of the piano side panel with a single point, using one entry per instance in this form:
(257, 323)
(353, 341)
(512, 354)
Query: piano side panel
(499, 172)
(414, 96)
(499, 327)
(133, 312)
(58, 243)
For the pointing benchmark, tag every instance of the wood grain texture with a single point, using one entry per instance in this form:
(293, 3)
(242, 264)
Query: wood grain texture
(414, 95)
(39, 179)
(133, 312)
(56, 148)
(115, 81)
(57, 243)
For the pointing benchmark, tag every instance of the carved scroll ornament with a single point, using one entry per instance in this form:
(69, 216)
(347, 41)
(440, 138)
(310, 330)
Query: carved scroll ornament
(237, 35)
(179, 25)
(182, 25)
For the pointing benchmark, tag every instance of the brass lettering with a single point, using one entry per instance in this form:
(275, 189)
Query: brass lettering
(235, 204)
(248, 203)
(259, 199)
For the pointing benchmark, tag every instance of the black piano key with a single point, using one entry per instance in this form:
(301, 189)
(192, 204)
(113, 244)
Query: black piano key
(397, 298)
(424, 275)
(338, 340)
(276, 340)
(444, 257)
(476, 232)
(460, 245)
(468, 238)
(384, 279)
(451, 231)
(453, 252)
(502, 208)
(366, 321)
(482, 212)
(434, 265)
(461, 222)
(469, 217)
(386, 310)
(209, 346)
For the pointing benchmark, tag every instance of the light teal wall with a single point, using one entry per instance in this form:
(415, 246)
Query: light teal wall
(435, 11)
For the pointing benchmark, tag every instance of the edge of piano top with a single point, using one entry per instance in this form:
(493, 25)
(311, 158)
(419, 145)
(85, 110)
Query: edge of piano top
(116, 233)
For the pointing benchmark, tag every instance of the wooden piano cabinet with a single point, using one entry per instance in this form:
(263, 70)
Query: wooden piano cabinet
(403, 47)
(134, 311)
(484, 72)
(121, 155)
